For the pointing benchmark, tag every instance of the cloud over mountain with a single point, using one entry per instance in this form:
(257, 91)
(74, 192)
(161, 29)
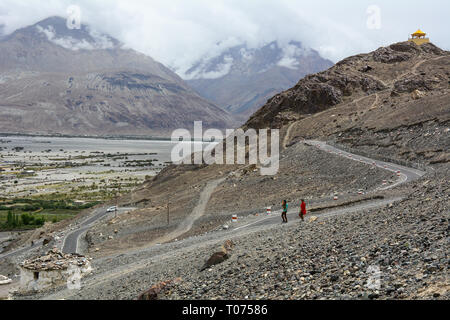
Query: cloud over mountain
(179, 33)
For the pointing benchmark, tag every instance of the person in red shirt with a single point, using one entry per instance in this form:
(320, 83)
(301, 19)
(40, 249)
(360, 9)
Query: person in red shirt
(302, 210)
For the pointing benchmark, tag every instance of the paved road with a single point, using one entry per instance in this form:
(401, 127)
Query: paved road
(275, 217)
(405, 175)
(167, 249)
(70, 242)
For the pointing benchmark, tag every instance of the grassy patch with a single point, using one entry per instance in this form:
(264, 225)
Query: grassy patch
(22, 214)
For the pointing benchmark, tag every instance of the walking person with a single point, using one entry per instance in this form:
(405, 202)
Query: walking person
(302, 213)
(284, 206)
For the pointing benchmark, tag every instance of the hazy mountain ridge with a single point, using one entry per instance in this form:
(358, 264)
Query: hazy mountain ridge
(84, 82)
(241, 79)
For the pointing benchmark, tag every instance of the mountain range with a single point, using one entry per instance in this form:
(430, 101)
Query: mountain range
(242, 79)
(56, 80)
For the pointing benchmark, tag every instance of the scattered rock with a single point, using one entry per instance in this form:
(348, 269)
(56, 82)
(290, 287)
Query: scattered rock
(158, 289)
(47, 241)
(417, 94)
(366, 68)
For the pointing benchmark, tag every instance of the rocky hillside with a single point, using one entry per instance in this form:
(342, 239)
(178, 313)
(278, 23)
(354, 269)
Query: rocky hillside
(241, 79)
(367, 103)
(393, 101)
(390, 103)
(329, 258)
(81, 82)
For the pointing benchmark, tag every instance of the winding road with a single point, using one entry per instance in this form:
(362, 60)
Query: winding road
(71, 240)
(405, 175)
(409, 174)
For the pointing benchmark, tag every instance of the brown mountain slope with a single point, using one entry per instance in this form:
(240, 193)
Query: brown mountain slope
(57, 80)
(395, 99)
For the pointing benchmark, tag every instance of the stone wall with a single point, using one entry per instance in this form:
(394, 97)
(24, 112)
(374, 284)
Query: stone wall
(33, 280)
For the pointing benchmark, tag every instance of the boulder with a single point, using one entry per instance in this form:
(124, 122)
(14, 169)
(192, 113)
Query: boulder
(219, 256)
(158, 289)
(47, 240)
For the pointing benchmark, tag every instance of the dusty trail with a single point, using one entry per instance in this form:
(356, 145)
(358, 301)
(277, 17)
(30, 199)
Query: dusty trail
(287, 137)
(374, 104)
(196, 213)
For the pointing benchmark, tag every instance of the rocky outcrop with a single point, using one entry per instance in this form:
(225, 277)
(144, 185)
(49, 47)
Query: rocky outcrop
(313, 94)
(388, 55)
(393, 68)
(404, 51)
(412, 83)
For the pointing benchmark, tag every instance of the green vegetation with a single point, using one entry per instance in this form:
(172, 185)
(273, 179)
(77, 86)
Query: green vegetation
(31, 213)
(16, 220)
(28, 205)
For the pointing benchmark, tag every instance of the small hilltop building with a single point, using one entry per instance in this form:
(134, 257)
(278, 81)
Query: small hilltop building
(419, 37)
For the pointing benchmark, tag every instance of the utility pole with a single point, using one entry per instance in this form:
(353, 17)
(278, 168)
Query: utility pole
(168, 213)
(117, 200)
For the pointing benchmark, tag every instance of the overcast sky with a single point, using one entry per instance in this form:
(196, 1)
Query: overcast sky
(179, 32)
